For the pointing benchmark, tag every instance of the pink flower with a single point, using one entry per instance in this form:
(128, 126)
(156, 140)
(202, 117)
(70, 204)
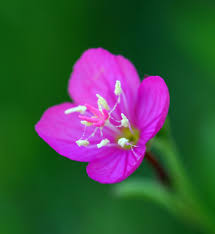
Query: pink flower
(112, 118)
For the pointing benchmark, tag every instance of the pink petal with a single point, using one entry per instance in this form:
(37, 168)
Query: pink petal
(61, 130)
(152, 107)
(96, 72)
(115, 167)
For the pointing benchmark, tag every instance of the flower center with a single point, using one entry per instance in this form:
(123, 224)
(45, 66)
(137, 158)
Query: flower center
(101, 117)
(132, 137)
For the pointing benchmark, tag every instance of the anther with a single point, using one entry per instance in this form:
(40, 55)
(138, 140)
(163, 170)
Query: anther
(86, 123)
(79, 108)
(118, 89)
(122, 142)
(104, 142)
(124, 121)
(102, 103)
(82, 143)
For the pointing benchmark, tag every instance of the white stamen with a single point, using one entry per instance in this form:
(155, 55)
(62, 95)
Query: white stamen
(85, 127)
(82, 143)
(135, 154)
(102, 102)
(117, 92)
(86, 123)
(124, 121)
(115, 106)
(79, 108)
(118, 89)
(93, 133)
(111, 126)
(123, 141)
(104, 142)
(101, 132)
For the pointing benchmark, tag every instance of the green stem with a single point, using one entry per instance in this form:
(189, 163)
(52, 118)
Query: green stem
(160, 171)
(186, 198)
(176, 170)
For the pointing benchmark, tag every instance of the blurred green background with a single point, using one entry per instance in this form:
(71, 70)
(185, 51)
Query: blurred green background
(42, 192)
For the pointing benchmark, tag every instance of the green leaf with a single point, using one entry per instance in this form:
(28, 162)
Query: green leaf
(148, 190)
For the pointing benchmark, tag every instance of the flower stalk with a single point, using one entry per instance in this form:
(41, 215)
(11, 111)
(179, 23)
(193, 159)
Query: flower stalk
(186, 199)
(160, 171)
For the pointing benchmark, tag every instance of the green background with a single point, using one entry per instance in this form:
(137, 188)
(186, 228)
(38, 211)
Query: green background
(42, 192)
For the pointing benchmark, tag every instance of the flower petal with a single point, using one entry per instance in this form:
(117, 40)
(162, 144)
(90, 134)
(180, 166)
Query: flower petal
(152, 107)
(117, 166)
(61, 130)
(96, 72)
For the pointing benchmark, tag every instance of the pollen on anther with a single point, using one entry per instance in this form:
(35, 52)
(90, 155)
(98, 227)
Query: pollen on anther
(102, 103)
(82, 143)
(86, 123)
(124, 121)
(118, 89)
(79, 108)
(104, 142)
(123, 142)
